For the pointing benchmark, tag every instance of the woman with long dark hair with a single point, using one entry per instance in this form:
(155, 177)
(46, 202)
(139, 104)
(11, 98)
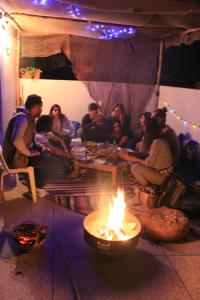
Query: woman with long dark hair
(136, 142)
(52, 145)
(119, 114)
(61, 125)
(142, 147)
(158, 164)
(160, 114)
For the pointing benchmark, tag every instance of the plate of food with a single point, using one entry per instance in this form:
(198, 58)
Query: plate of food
(78, 149)
(100, 161)
(90, 144)
(128, 150)
(84, 158)
(100, 145)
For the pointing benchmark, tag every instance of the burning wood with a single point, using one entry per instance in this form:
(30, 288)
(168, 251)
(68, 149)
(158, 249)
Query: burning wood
(28, 233)
(116, 228)
(124, 233)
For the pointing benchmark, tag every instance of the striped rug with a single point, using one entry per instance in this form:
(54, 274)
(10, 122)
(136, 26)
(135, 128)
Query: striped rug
(83, 194)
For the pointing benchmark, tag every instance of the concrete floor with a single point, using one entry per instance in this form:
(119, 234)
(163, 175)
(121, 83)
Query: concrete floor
(151, 271)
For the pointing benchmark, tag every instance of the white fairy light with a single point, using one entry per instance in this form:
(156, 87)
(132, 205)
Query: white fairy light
(5, 39)
(185, 122)
(108, 32)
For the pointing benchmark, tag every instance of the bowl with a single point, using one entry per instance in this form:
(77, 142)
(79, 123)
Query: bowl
(91, 225)
(100, 145)
(101, 161)
(29, 236)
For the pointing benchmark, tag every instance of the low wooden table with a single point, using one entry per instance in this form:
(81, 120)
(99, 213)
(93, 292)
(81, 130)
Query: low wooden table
(97, 166)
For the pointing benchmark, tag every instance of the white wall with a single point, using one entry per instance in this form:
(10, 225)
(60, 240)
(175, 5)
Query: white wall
(8, 80)
(186, 103)
(72, 96)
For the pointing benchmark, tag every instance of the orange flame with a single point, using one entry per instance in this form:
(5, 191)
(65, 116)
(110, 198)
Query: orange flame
(115, 227)
(116, 215)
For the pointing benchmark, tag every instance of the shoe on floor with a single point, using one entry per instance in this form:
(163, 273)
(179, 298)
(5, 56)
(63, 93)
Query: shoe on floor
(41, 193)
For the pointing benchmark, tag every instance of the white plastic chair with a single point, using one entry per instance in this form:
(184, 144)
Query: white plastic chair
(6, 170)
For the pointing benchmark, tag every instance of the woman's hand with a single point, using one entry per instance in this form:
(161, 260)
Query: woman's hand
(34, 153)
(132, 158)
(59, 140)
(124, 155)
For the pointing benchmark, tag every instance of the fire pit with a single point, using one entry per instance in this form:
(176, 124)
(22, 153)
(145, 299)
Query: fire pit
(113, 232)
(29, 236)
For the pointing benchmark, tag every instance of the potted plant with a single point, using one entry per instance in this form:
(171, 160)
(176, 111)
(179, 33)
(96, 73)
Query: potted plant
(30, 72)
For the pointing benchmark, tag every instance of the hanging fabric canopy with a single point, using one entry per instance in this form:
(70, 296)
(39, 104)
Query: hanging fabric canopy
(171, 20)
(116, 71)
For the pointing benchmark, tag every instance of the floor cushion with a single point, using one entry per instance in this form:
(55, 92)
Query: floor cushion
(165, 224)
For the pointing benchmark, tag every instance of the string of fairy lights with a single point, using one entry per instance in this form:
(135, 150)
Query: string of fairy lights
(100, 30)
(74, 12)
(103, 31)
(40, 2)
(185, 122)
(5, 39)
(107, 32)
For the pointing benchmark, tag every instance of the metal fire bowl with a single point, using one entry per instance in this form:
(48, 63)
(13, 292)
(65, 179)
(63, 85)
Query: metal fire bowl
(119, 247)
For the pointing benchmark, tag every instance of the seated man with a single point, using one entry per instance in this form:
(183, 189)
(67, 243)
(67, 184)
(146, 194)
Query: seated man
(189, 164)
(19, 134)
(117, 135)
(93, 125)
(18, 141)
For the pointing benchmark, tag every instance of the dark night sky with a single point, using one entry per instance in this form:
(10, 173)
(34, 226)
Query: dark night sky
(53, 67)
(181, 66)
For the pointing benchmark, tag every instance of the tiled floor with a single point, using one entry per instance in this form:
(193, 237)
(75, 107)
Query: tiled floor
(151, 271)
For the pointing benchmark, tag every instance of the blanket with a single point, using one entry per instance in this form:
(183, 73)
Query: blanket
(84, 194)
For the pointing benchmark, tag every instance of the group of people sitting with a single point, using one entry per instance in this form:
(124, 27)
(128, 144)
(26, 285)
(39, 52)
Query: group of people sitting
(157, 150)
(45, 144)
(115, 129)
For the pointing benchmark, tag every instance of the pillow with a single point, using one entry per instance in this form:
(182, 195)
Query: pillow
(75, 126)
(165, 224)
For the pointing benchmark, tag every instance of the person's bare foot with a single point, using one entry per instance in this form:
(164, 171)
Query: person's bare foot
(73, 175)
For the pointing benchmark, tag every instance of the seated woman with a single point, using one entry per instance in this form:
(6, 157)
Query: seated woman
(93, 125)
(118, 135)
(142, 147)
(46, 140)
(61, 125)
(119, 114)
(169, 134)
(158, 165)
